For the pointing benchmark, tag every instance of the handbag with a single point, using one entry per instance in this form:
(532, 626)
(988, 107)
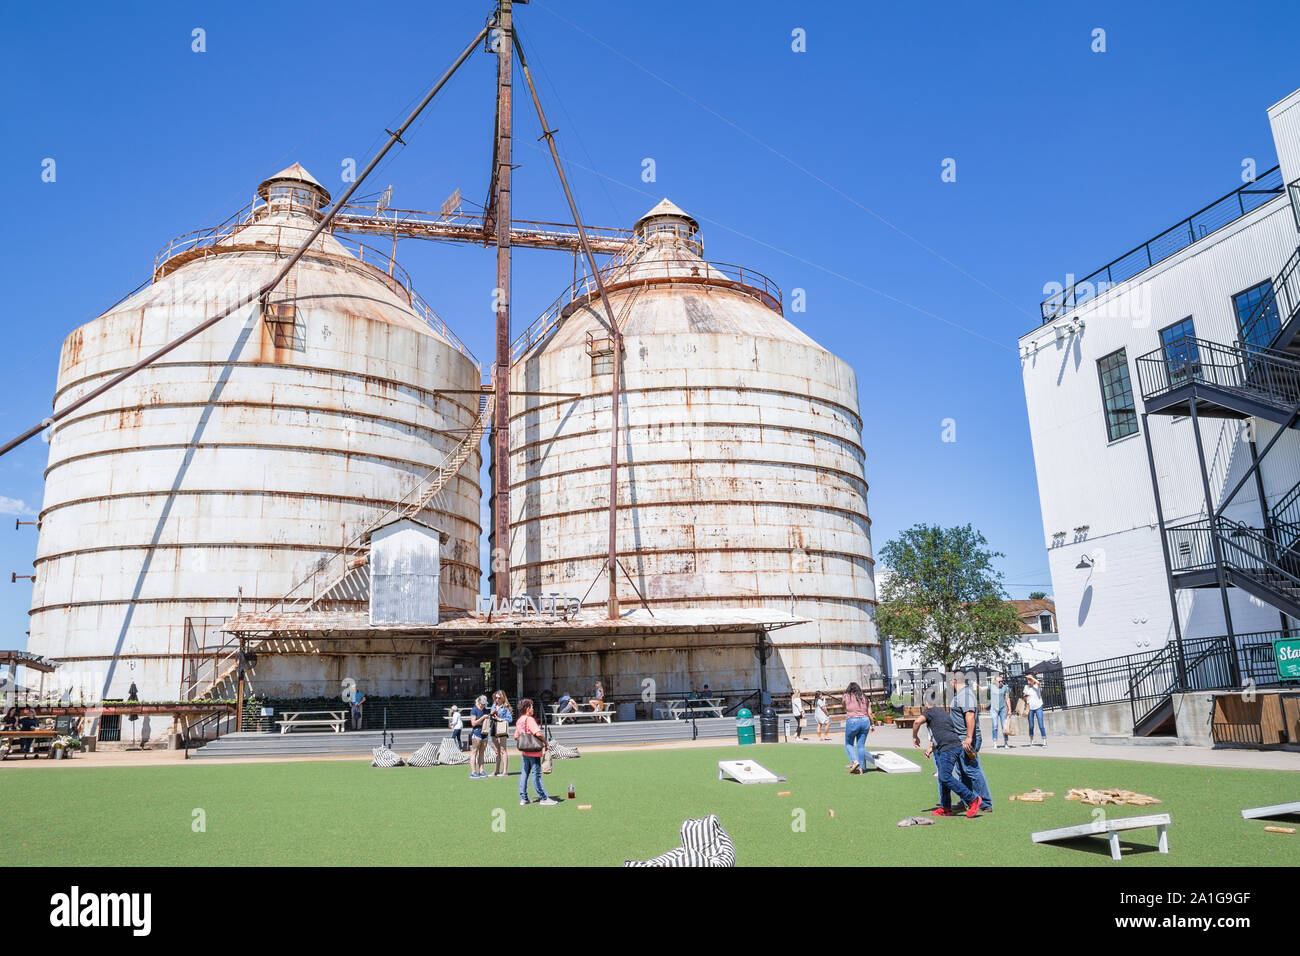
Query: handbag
(1009, 726)
(530, 741)
(1022, 707)
(500, 728)
(546, 760)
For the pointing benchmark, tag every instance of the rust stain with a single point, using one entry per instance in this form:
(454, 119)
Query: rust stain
(72, 349)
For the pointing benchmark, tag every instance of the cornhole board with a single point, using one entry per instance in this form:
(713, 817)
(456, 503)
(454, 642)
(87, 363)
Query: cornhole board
(745, 771)
(1111, 829)
(1276, 810)
(891, 762)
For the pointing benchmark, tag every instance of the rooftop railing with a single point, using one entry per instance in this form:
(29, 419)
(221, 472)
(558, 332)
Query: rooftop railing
(625, 269)
(219, 239)
(1174, 239)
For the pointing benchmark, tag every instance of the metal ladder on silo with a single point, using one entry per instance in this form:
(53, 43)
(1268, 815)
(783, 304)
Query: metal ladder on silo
(281, 314)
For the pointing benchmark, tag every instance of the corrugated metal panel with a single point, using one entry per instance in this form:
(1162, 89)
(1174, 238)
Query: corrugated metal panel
(1105, 488)
(741, 479)
(240, 459)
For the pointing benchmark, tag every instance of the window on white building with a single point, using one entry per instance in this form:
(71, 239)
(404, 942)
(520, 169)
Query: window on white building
(1246, 303)
(1117, 396)
(1045, 624)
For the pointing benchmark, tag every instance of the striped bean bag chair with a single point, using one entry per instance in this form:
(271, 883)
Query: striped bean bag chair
(704, 843)
(561, 752)
(383, 757)
(449, 754)
(426, 756)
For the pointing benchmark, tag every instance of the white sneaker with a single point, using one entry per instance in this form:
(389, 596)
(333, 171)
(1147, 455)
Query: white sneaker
(523, 803)
(548, 802)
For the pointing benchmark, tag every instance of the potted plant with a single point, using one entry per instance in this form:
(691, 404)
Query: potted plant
(63, 747)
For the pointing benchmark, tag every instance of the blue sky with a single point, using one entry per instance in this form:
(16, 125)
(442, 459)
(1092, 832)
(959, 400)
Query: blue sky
(820, 169)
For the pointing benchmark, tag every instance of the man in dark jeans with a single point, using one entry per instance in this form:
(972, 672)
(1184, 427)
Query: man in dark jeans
(946, 747)
(27, 722)
(965, 721)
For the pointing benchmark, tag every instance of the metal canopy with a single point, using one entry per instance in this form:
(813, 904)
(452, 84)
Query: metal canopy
(27, 659)
(473, 628)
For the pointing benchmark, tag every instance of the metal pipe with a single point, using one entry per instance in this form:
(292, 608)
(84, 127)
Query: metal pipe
(549, 135)
(501, 205)
(393, 137)
(1213, 523)
(1164, 550)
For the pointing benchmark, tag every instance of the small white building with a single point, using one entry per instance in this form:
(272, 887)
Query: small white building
(1113, 376)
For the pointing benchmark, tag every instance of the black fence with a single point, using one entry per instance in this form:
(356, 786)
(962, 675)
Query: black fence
(1152, 675)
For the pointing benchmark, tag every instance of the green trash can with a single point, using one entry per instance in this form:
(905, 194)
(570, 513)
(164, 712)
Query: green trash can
(744, 727)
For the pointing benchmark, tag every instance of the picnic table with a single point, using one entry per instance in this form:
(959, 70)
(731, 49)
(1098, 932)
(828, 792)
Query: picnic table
(605, 714)
(683, 708)
(9, 737)
(334, 719)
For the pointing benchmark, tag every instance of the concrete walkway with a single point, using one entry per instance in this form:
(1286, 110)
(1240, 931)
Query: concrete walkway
(886, 737)
(889, 737)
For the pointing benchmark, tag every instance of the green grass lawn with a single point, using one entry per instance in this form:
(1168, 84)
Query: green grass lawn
(346, 813)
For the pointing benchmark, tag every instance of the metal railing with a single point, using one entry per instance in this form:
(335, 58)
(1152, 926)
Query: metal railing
(373, 263)
(1246, 550)
(1174, 239)
(1150, 675)
(1255, 556)
(1276, 308)
(1287, 508)
(1273, 377)
(1191, 545)
(626, 269)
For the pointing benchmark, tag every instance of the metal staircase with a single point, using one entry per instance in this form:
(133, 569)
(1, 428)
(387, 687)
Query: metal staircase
(1256, 378)
(1225, 381)
(1200, 665)
(1275, 322)
(352, 579)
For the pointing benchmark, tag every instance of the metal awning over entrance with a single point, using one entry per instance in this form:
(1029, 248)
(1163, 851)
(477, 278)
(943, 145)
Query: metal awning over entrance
(469, 630)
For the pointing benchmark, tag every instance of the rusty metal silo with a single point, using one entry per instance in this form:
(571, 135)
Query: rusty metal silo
(741, 479)
(242, 458)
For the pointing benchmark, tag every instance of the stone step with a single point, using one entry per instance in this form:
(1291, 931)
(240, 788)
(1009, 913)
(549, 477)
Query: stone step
(360, 743)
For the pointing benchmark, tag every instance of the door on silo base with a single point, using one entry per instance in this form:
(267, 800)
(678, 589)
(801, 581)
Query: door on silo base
(405, 563)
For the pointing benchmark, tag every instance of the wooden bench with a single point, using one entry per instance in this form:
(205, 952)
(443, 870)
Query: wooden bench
(9, 738)
(336, 720)
(1111, 829)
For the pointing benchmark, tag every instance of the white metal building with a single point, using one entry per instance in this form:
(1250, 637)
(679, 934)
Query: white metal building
(1199, 320)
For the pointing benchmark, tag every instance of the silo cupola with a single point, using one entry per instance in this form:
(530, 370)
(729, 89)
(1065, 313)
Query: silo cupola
(295, 191)
(666, 224)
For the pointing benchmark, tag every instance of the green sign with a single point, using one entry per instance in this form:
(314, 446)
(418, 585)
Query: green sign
(1287, 654)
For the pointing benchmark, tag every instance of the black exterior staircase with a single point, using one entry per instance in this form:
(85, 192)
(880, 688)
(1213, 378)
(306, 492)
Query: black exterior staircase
(1275, 322)
(1224, 381)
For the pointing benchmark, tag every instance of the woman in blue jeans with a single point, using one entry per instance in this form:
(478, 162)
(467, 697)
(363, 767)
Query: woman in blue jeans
(532, 757)
(857, 724)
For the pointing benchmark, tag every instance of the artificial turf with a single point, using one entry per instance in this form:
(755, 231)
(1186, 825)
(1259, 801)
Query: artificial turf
(347, 813)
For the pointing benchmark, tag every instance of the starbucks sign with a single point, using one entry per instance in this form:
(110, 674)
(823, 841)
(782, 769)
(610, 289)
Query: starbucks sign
(1287, 653)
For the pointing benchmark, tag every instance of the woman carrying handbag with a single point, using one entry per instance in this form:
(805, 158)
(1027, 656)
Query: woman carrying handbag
(528, 737)
(501, 718)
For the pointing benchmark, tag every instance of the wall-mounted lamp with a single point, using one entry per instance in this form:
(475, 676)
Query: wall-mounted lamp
(1085, 563)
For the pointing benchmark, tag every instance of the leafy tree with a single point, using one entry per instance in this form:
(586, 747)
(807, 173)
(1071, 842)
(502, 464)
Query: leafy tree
(943, 598)
(1037, 595)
